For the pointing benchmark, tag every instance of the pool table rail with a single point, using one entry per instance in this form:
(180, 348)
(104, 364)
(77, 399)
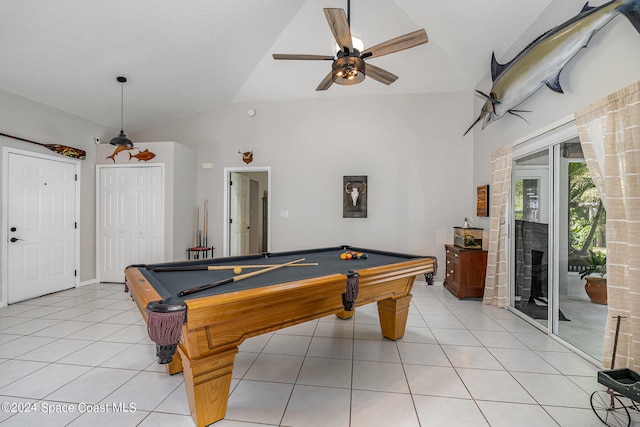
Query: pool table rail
(140, 290)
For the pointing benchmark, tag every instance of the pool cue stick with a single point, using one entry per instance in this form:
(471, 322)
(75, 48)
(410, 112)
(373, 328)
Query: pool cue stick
(235, 278)
(206, 222)
(195, 227)
(225, 267)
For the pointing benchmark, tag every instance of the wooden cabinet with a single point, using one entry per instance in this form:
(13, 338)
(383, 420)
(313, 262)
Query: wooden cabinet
(465, 270)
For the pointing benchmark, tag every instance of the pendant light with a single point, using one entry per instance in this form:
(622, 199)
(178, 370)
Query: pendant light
(121, 139)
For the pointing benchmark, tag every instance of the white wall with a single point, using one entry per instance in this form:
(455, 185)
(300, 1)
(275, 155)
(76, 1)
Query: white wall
(609, 63)
(411, 148)
(183, 199)
(31, 120)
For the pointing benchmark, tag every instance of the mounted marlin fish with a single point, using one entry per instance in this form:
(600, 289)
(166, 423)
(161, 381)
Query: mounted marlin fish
(541, 62)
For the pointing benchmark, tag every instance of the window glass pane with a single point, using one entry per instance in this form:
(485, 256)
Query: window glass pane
(531, 235)
(581, 219)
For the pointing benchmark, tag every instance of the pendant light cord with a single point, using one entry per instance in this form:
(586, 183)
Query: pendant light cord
(121, 139)
(122, 107)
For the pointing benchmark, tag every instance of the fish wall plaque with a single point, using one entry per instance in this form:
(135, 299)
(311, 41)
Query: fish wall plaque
(541, 62)
(118, 149)
(144, 156)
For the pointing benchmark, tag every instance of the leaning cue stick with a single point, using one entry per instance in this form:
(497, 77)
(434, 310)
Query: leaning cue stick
(196, 218)
(234, 279)
(225, 267)
(205, 224)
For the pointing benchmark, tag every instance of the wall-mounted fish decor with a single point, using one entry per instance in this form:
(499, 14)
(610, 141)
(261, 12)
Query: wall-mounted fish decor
(144, 156)
(118, 149)
(541, 62)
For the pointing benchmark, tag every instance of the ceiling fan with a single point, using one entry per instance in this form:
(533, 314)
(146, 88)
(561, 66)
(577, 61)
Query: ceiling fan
(348, 66)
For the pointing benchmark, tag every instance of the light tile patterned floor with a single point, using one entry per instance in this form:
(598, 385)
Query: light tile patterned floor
(86, 350)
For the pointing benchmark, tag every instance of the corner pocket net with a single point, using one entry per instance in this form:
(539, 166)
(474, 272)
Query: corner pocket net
(352, 286)
(165, 328)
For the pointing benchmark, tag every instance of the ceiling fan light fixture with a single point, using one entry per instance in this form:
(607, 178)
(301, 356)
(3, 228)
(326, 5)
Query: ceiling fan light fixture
(121, 139)
(356, 42)
(347, 71)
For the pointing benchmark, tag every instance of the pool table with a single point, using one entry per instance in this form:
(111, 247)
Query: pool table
(213, 322)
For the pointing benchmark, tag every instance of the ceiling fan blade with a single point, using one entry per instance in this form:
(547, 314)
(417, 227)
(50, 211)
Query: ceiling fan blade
(380, 75)
(395, 45)
(326, 82)
(339, 25)
(302, 57)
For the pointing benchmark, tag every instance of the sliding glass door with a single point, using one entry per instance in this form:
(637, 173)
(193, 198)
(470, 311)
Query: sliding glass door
(531, 235)
(580, 230)
(557, 221)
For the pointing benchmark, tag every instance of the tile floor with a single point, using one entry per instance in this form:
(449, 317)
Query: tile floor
(82, 358)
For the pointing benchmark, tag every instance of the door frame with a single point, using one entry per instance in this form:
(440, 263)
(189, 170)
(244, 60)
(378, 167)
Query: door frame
(4, 247)
(226, 204)
(99, 167)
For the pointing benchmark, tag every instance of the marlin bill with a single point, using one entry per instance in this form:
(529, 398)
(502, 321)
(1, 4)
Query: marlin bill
(540, 63)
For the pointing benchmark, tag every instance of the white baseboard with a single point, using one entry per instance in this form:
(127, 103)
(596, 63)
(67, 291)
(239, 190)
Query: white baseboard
(88, 282)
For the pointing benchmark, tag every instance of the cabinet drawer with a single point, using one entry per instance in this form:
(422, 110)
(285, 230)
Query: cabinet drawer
(452, 268)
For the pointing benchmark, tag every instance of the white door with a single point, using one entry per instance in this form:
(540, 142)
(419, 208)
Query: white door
(254, 217)
(41, 216)
(239, 218)
(130, 219)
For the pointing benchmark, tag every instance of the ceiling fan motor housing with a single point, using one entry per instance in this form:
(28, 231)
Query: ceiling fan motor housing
(348, 69)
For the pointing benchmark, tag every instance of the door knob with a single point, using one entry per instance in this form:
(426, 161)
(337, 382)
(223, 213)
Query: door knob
(13, 229)
(15, 239)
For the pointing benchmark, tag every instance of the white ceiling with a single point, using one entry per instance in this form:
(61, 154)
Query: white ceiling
(182, 57)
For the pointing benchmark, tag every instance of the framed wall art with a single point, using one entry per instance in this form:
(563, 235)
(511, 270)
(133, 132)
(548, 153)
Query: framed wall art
(482, 201)
(354, 196)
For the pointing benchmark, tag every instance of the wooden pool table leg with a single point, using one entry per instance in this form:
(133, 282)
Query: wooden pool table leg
(175, 366)
(344, 314)
(393, 315)
(208, 381)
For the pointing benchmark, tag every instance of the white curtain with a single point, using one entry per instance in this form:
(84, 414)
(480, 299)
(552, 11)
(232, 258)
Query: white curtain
(610, 136)
(496, 289)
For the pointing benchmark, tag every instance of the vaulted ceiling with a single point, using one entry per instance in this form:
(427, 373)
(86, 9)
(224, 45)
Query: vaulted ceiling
(182, 57)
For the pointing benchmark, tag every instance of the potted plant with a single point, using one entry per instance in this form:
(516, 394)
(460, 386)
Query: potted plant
(594, 274)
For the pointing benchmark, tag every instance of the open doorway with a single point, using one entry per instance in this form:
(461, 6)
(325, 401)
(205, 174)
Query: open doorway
(247, 210)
